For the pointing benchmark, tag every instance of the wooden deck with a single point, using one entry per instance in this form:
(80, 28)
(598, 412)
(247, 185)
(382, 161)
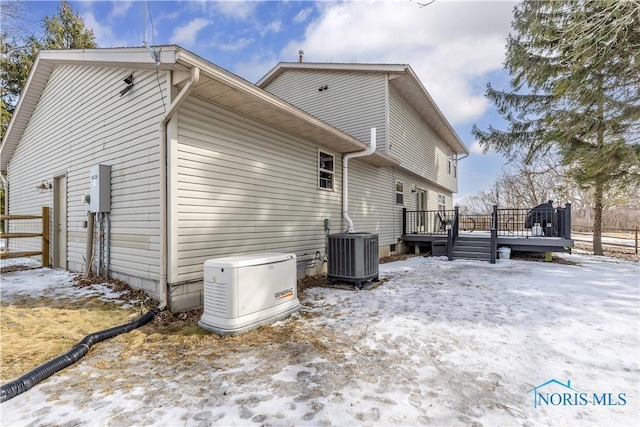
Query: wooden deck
(516, 243)
(543, 228)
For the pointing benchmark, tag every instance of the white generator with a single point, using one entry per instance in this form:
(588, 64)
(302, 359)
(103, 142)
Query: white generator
(247, 291)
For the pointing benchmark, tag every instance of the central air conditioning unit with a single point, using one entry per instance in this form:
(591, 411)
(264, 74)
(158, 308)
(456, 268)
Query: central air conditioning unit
(247, 291)
(353, 257)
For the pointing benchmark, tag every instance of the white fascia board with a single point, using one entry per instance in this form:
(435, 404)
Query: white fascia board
(114, 55)
(328, 66)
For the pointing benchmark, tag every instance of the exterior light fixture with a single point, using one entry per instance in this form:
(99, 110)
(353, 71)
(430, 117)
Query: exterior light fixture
(44, 185)
(129, 81)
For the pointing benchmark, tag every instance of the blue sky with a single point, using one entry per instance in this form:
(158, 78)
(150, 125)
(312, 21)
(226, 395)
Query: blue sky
(455, 47)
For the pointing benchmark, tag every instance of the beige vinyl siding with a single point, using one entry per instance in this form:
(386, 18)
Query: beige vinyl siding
(81, 120)
(372, 199)
(245, 187)
(372, 205)
(352, 102)
(416, 146)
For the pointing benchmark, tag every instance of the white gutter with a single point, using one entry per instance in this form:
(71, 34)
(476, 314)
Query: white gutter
(345, 178)
(195, 76)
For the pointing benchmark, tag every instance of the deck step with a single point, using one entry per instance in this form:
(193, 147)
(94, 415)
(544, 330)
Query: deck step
(479, 240)
(473, 248)
(472, 255)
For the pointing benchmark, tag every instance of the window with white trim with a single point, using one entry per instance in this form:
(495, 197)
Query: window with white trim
(442, 205)
(326, 170)
(399, 193)
(449, 160)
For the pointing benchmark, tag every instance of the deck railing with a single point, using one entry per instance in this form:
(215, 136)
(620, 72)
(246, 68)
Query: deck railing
(538, 222)
(426, 222)
(515, 222)
(494, 235)
(452, 233)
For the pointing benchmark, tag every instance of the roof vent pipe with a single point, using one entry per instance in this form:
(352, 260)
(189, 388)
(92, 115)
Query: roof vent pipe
(301, 53)
(345, 178)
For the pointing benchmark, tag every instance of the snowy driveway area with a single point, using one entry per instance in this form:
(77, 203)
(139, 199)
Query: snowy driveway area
(439, 343)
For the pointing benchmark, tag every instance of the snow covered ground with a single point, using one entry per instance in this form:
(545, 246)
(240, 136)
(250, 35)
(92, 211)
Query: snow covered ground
(584, 237)
(440, 343)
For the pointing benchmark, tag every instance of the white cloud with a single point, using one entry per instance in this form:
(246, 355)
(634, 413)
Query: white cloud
(236, 9)
(476, 148)
(120, 8)
(105, 34)
(448, 44)
(302, 15)
(273, 26)
(256, 66)
(236, 45)
(186, 35)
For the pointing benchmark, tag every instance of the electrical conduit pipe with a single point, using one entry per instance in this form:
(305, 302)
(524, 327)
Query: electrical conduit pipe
(345, 178)
(195, 76)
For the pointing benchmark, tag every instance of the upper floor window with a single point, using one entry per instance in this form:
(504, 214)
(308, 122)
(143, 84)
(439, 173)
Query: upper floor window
(399, 193)
(326, 170)
(449, 161)
(442, 205)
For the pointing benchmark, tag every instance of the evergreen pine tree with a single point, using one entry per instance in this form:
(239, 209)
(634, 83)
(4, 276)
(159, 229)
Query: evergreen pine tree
(66, 30)
(574, 69)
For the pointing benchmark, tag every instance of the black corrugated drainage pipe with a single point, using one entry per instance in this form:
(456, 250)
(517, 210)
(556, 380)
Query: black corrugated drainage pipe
(44, 371)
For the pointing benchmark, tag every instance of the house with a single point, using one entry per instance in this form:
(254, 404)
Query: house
(203, 164)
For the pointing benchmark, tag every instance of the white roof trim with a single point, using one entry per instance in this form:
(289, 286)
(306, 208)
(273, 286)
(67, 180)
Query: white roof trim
(328, 66)
(44, 65)
(173, 58)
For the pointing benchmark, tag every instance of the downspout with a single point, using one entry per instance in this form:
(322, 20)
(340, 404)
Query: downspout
(345, 178)
(5, 183)
(195, 76)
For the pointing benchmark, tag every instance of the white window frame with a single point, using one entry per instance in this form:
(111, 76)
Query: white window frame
(442, 202)
(449, 160)
(322, 170)
(399, 193)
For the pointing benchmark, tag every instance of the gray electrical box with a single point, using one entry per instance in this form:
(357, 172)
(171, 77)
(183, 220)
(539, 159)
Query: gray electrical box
(100, 188)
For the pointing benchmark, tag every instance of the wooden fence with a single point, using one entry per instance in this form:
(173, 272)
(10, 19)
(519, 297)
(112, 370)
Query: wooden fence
(43, 235)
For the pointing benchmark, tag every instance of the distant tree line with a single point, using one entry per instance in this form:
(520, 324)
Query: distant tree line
(523, 186)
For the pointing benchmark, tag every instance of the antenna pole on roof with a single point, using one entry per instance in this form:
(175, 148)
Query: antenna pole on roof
(155, 53)
(144, 24)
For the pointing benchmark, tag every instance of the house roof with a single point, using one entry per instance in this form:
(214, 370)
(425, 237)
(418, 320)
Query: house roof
(402, 77)
(216, 84)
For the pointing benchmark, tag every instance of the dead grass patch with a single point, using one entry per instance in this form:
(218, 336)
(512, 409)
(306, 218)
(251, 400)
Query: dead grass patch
(393, 258)
(12, 268)
(36, 330)
(34, 334)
